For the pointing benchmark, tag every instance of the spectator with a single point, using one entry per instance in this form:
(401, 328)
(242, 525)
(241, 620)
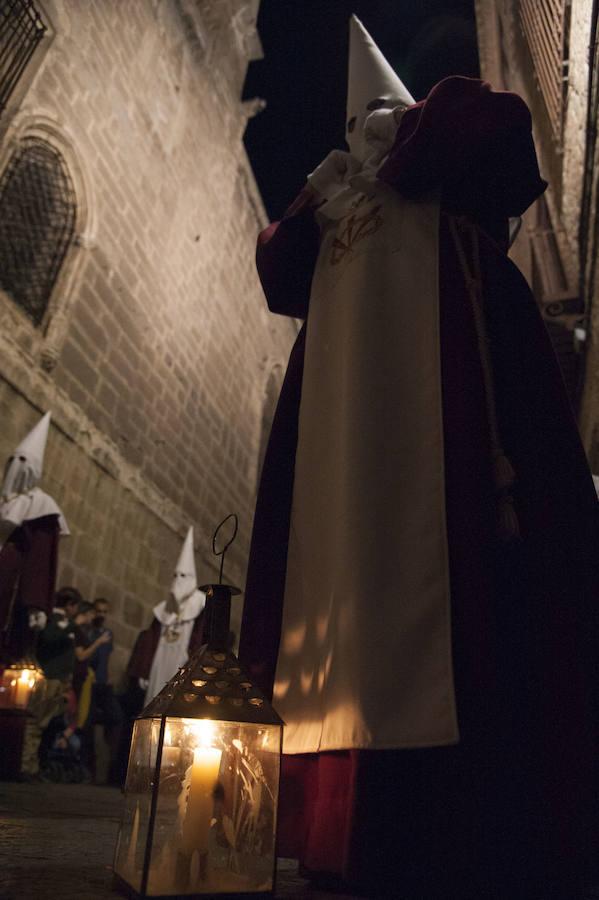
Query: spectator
(71, 601)
(86, 645)
(98, 628)
(56, 655)
(60, 749)
(105, 708)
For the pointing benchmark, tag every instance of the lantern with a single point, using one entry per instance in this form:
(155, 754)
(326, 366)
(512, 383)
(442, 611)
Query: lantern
(202, 783)
(17, 683)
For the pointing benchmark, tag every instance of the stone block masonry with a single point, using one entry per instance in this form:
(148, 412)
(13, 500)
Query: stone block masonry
(158, 377)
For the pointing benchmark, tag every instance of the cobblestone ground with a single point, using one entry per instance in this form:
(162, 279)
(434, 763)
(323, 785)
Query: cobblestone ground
(57, 842)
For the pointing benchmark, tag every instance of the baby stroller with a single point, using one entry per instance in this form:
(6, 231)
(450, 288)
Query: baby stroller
(60, 755)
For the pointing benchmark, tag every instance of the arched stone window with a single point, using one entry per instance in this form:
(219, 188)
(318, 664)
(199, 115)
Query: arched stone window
(21, 31)
(37, 224)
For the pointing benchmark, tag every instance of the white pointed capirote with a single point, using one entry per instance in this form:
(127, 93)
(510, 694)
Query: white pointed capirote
(21, 500)
(176, 624)
(370, 79)
(25, 466)
(185, 580)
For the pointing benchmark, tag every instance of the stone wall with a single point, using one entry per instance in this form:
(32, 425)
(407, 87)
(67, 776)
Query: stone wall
(505, 60)
(156, 357)
(589, 407)
(575, 121)
(548, 249)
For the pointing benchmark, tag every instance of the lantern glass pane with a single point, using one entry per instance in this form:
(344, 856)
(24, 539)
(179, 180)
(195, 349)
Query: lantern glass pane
(133, 833)
(214, 830)
(17, 686)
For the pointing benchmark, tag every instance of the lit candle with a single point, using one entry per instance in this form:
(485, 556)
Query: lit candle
(200, 800)
(23, 687)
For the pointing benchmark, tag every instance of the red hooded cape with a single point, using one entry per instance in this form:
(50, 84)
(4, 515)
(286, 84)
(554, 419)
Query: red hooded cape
(506, 812)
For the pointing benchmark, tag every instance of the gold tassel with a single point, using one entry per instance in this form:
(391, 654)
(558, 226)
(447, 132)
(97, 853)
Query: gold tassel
(508, 526)
(503, 471)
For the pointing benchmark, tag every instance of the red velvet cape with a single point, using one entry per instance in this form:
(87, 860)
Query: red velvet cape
(28, 565)
(142, 655)
(505, 813)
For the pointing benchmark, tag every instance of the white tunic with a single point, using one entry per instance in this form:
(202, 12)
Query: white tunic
(34, 504)
(172, 654)
(365, 655)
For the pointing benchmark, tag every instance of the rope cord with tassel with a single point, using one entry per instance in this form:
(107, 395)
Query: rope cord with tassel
(504, 476)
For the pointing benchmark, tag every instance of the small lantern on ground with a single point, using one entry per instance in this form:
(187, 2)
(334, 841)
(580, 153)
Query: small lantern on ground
(17, 683)
(202, 784)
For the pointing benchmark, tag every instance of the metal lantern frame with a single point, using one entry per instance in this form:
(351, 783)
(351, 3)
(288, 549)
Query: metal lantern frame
(212, 686)
(20, 680)
(11, 677)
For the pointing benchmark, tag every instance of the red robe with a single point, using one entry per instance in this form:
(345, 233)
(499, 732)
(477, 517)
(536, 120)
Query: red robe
(142, 655)
(28, 565)
(504, 813)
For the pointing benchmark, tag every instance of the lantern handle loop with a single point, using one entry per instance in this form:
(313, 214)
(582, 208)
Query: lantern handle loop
(222, 552)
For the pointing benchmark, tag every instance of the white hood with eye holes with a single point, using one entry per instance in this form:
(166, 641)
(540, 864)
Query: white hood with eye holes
(24, 468)
(370, 78)
(21, 500)
(185, 579)
(186, 601)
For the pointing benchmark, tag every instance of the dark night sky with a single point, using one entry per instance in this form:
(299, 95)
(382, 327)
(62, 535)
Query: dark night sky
(304, 72)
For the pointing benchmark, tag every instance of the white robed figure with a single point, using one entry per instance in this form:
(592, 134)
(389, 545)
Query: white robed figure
(176, 616)
(31, 524)
(370, 435)
(22, 500)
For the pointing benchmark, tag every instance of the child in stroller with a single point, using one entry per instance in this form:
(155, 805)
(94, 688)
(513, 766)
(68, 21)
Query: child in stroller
(60, 748)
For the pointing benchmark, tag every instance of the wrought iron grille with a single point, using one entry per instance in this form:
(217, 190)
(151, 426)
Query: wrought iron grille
(37, 223)
(545, 24)
(21, 30)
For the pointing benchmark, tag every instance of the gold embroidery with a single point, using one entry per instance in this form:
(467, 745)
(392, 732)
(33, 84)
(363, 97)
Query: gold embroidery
(354, 228)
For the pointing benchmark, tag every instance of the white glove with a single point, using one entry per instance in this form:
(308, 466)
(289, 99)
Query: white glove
(37, 620)
(380, 129)
(143, 683)
(332, 172)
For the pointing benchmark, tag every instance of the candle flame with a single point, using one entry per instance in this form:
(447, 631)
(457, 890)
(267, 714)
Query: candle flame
(202, 730)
